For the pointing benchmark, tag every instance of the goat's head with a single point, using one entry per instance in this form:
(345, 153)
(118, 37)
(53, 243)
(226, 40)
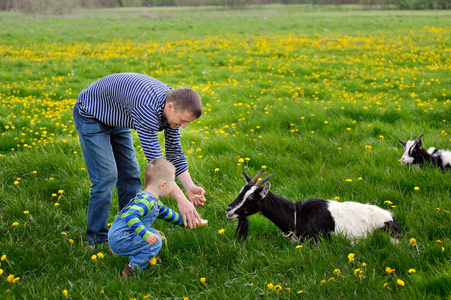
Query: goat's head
(248, 202)
(412, 150)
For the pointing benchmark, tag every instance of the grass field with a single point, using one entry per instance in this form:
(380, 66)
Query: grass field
(317, 96)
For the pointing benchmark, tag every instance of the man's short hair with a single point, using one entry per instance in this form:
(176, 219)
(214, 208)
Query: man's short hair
(158, 169)
(185, 99)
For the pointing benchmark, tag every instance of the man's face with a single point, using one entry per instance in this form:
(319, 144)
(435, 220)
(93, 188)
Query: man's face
(179, 118)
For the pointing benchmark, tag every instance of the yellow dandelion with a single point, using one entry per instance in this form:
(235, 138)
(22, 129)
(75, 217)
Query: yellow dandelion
(360, 178)
(389, 270)
(322, 281)
(388, 202)
(221, 231)
(16, 182)
(100, 255)
(348, 180)
(413, 242)
(385, 285)
(60, 191)
(298, 246)
(153, 261)
(3, 257)
(63, 233)
(241, 160)
(351, 258)
(54, 195)
(10, 278)
(216, 170)
(300, 291)
(202, 279)
(363, 265)
(336, 198)
(416, 188)
(94, 257)
(277, 288)
(65, 293)
(411, 271)
(270, 286)
(14, 224)
(337, 271)
(26, 212)
(1, 272)
(263, 167)
(400, 282)
(357, 271)
(57, 204)
(71, 241)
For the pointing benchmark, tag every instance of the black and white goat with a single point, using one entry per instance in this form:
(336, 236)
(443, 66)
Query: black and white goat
(309, 219)
(414, 153)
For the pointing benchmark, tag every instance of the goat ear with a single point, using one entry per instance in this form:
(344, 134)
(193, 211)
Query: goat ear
(248, 179)
(402, 143)
(265, 189)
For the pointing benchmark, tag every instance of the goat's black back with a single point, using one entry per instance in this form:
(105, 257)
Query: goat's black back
(313, 219)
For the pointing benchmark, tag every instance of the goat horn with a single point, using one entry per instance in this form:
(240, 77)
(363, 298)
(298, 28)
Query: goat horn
(418, 138)
(411, 137)
(254, 180)
(248, 179)
(261, 182)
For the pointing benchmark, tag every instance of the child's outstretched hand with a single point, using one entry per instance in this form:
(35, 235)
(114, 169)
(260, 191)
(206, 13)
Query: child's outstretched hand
(152, 239)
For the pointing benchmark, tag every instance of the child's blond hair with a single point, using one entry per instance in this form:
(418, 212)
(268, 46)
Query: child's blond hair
(159, 170)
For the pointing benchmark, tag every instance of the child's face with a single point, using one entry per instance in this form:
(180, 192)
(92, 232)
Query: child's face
(168, 186)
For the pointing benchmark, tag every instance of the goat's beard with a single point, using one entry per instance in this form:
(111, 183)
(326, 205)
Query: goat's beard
(242, 229)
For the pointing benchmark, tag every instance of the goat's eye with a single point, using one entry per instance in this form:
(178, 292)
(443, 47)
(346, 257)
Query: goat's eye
(250, 198)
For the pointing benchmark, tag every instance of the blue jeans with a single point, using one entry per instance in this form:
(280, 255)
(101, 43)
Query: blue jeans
(111, 160)
(124, 241)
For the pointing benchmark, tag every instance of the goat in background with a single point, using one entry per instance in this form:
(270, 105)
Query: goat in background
(415, 154)
(310, 219)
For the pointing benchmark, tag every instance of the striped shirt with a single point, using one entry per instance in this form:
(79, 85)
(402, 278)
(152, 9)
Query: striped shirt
(142, 205)
(136, 101)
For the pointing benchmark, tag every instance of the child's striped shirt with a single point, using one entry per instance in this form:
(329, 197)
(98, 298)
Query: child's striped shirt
(142, 205)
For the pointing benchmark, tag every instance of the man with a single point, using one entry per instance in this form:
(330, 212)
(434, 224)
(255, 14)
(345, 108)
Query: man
(104, 113)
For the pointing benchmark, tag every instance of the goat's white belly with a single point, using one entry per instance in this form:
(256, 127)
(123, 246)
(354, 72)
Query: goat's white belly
(354, 219)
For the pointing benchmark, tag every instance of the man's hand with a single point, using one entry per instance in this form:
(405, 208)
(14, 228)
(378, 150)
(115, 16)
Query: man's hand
(189, 213)
(196, 195)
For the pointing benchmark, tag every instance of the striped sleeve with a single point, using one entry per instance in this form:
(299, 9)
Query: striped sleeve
(169, 215)
(174, 151)
(133, 215)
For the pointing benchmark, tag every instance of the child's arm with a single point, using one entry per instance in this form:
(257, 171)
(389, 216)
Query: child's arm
(133, 214)
(173, 217)
(168, 214)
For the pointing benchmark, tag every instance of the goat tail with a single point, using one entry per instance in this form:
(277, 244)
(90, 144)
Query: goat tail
(242, 228)
(393, 227)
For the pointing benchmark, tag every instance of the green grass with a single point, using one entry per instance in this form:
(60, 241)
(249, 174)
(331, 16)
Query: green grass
(316, 95)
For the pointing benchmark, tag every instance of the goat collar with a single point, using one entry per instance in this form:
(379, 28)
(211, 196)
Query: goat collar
(293, 234)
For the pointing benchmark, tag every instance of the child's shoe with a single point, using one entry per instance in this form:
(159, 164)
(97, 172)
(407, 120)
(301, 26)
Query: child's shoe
(127, 272)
